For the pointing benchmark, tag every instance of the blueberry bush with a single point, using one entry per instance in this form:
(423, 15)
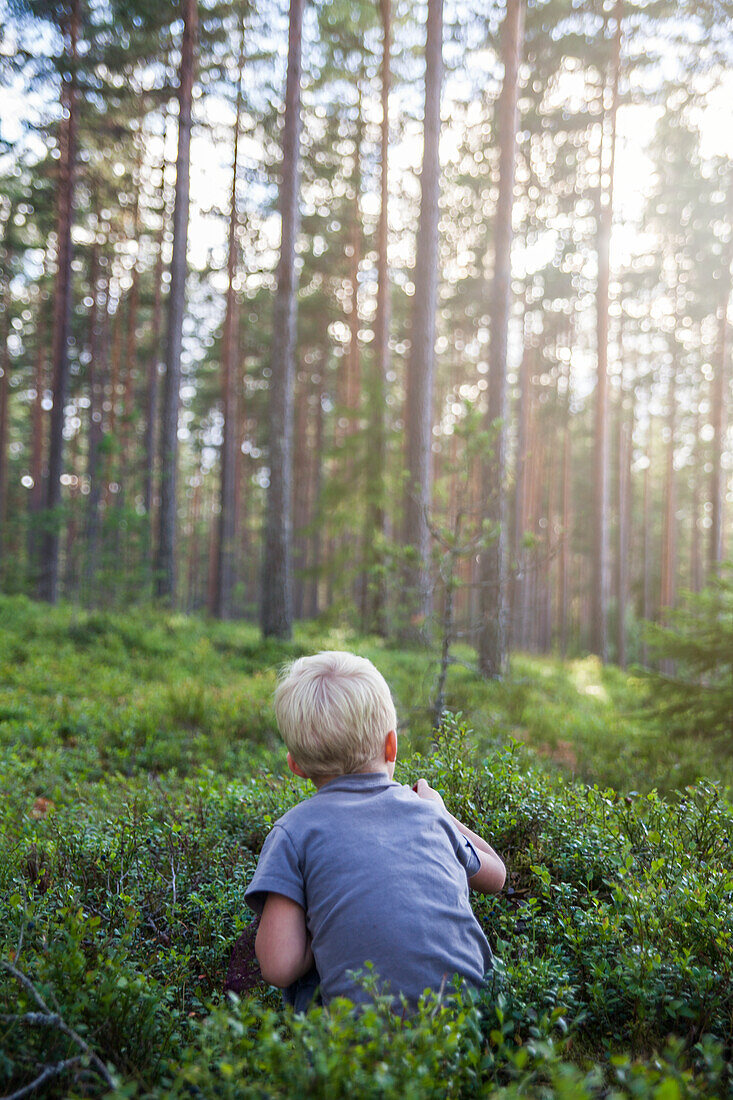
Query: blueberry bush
(140, 775)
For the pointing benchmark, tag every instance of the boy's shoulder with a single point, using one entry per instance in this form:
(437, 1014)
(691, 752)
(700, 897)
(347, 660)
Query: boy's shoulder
(355, 799)
(300, 812)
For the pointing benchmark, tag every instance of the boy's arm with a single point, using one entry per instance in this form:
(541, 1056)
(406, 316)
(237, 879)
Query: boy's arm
(283, 946)
(490, 877)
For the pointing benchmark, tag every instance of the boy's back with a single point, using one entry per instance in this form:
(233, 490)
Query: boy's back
(383, 878)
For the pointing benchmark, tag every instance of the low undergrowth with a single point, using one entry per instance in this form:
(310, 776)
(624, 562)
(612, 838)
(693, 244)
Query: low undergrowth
(133, 810)
(613, 937)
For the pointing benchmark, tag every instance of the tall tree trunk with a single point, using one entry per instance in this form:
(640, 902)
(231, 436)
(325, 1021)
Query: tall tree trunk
(600, 587)
(165, 581)
(225, 550)
(151, 387)
(240, 498)
(419, 389)
(719, 399)
(211, 557)
(316, 538)
(565, 522)
(353, 362)
(4, 402)
(126, 472)
(625, 430)
(35, 503)
(96, 393)
(646, 539)
(151, 384)
(521, 479)
(301, 485)
(375, 593)
(550, 527)
(6, 272)
(492, 647)
(70, 583)
(276, 613)
(536, 484)
(193, 545)
(48, 587)
(114, 372)
(669, 532)
(698, 463)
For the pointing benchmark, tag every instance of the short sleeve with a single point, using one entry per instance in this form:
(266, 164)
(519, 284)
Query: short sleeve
(278, 872)
(467, 855)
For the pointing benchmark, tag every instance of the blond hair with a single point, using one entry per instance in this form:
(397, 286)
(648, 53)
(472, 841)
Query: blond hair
(334, 711)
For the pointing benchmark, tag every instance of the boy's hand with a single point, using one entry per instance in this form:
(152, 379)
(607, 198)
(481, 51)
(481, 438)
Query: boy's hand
(490, 877)
(423, 790)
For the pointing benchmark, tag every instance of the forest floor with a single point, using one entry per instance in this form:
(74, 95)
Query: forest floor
(120, 692)
(141, 770)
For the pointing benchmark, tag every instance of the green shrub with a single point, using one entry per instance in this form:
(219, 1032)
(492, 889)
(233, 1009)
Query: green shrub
(692, 692)
(134, 807)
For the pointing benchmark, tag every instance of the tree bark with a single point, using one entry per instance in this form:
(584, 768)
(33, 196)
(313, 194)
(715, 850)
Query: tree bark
(521, 480)
(126, 471)
(565, 523)
(4, 401)
(669, 532)
(301, 486)
(645, 579)
(600, 587)
(316, 538)
(6, 274)
(165, 580)
(151, 383)
(353, 361)
(698, 463)
(70, 582)
(625, 431)
(193, 545)
(720, 391)
(151, 388)
(420, 370)
(375, 594)
(96, 392)
(225, 551)
(492, 641)
(48, 586)
(276, 613)
(35, 502)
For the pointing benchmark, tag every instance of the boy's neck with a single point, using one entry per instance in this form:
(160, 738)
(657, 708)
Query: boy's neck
(319, 781)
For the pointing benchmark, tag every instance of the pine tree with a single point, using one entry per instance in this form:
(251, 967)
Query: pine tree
(606, 160)
(67, 19)
(225, 558)
(492, 643)
(166, 553)
(421, 366)
(276, 614)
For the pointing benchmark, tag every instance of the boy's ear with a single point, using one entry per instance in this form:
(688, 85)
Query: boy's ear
(296, 768)
(390, 747)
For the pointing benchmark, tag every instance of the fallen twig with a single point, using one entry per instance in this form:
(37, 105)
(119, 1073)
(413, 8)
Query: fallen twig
(46, 1074)
(47, 1018)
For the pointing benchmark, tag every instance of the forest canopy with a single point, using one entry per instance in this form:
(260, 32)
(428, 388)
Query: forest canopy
(440, 319)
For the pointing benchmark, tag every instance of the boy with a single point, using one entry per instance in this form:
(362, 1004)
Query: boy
(365, 870)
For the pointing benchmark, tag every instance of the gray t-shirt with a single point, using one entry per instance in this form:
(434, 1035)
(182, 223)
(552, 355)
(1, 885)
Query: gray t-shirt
(383, 878)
